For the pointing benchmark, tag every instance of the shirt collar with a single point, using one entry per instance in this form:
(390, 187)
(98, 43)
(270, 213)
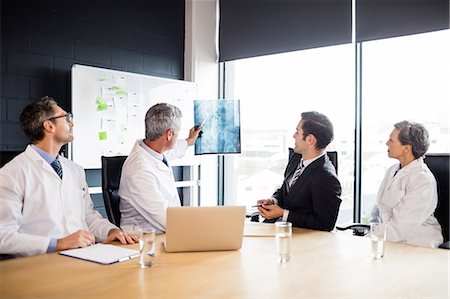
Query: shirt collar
(46, 156)
(150, 150)
(307, 162)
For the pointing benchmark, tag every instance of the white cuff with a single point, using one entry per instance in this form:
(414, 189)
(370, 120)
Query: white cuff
(285, 215)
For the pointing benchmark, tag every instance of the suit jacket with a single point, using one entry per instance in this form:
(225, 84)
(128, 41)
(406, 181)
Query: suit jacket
(314, 199)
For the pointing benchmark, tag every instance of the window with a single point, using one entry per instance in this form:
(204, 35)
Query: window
(404, 78)
(274, 90)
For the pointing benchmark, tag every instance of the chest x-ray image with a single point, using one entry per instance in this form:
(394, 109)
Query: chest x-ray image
(221, 133)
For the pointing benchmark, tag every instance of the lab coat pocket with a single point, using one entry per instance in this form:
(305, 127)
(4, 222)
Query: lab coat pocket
(76, 207)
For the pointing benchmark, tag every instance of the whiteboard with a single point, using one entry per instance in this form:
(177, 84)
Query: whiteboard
(109, 110)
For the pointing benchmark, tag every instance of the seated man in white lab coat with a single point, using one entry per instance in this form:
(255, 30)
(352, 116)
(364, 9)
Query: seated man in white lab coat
(45, 205)
(147, 185)
(407, 196)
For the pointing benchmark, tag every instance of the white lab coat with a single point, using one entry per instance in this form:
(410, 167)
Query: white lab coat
(147, 188)
(406, 202)
(36, 205)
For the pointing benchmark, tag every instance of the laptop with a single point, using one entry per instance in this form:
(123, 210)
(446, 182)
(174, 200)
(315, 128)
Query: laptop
(204, 228)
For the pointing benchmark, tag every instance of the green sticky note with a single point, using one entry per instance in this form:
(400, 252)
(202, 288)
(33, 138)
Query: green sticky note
(102, 135)
(120, 91)
(101, 104)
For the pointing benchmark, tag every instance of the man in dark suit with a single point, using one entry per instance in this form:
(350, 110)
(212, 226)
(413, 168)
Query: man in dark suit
(309, 196)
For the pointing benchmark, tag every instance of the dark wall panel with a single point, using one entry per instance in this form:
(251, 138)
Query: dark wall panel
(41, 40)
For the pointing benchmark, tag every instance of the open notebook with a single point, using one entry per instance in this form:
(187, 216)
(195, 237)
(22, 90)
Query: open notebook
(204, 228)
(102, 253)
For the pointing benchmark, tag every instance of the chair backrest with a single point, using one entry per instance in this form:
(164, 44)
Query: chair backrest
(111, 171)
(439, 166)
(332, 155)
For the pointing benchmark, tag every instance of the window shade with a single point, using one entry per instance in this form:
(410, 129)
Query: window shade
(377, 19)
(250, 28)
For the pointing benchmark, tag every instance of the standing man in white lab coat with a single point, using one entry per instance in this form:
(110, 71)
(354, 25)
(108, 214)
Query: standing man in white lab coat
(147, 185)
(407, 197)
(45, 205)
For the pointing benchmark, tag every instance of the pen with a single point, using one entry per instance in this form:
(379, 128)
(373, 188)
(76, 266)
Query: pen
(128, 257)
(260, 205)
(204, 120)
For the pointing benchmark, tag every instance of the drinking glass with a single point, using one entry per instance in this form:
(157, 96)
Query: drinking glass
(283, 235)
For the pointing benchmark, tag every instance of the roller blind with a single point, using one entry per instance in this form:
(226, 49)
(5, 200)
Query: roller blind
(377, 19)
(249, 28)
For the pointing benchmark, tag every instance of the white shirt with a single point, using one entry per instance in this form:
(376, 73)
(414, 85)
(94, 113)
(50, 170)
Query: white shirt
(36, 205)
(406, 203)
(147, 188)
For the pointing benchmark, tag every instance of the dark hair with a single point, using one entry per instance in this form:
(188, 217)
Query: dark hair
(414, 134)
(34, 115)
(318, 125)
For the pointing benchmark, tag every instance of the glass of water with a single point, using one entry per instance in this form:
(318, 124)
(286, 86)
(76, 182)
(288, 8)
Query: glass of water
(147, 248)
(283, 235)
(378, 237)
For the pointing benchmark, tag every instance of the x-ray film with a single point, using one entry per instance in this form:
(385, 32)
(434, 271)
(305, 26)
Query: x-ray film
(221, 133)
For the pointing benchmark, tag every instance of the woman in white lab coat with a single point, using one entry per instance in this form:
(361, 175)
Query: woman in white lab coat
(407, 197)
(147, 185)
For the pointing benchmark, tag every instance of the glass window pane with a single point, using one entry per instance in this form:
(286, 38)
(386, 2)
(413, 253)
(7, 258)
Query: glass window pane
(404, 78)
(274, 90)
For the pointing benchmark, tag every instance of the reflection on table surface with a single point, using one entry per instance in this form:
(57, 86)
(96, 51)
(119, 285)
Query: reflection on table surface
(323, 264)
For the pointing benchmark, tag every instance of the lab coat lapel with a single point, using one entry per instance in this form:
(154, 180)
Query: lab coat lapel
(36, 158)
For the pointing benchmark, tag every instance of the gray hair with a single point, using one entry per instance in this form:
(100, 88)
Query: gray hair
(414, 134)
(160, 118)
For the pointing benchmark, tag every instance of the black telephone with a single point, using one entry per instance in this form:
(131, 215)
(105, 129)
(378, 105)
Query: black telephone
(359, 229)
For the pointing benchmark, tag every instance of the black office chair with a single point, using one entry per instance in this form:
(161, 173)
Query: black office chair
(439, 166)
(111, 172)
(332, 155)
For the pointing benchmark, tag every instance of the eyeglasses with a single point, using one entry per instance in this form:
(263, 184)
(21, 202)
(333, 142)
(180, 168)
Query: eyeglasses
(68, 116)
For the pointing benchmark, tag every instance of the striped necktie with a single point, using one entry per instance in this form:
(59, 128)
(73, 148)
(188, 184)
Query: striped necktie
(296, 174)
(57, 167)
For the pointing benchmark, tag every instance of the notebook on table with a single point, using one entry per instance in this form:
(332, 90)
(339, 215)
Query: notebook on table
(204, 228)
(102, 253)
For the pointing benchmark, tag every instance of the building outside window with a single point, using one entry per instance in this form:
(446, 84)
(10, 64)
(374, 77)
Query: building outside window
(403, 78)
(274, 90)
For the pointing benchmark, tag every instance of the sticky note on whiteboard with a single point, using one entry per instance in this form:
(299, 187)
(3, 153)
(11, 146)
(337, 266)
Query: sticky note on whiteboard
(102, 135)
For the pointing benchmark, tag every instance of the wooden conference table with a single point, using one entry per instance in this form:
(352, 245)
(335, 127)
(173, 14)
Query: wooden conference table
(323, 265)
